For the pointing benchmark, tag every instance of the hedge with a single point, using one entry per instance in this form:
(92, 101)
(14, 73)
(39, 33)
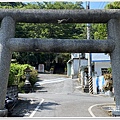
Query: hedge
(17, 74)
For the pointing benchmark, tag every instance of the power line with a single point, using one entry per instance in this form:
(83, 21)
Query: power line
(103, 5)
(99, 5)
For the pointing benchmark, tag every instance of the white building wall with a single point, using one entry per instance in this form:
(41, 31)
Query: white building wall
(99, 65)
(74, 55)
(41, 68)
(72, 68)
(94, 85)
(75, 67)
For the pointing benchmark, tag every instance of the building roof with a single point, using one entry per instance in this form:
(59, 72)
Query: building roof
(96, 57)
(100, 57)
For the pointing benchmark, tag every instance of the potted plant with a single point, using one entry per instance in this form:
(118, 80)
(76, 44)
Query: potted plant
(108, 87)
(51, 70)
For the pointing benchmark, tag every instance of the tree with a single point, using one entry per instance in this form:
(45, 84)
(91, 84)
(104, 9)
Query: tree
(100, 30)
(11, 4)
(51, 31)
(113, 5)
(17, 75)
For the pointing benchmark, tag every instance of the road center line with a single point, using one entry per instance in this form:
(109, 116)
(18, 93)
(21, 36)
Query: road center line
(36, 109)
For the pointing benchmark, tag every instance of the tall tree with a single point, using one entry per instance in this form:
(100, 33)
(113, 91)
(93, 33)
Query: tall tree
(100, 30)
(113, 5)
(32, 30)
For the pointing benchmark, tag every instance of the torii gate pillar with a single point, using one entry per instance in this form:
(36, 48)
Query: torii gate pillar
(114, 34)
(7, 31)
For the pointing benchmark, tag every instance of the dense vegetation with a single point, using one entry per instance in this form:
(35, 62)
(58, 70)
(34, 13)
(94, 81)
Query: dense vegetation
(61, 31)
(17, 75)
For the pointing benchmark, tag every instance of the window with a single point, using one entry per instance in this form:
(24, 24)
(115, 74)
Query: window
(104, 71)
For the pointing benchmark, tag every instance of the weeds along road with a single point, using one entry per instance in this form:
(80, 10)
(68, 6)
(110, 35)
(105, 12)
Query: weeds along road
(59, 96)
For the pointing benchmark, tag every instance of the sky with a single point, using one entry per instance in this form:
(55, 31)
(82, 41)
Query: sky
(96, 5)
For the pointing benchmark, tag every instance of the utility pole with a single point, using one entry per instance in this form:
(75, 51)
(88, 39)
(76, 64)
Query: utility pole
(88, 37)
(89, 56)
(79, 70)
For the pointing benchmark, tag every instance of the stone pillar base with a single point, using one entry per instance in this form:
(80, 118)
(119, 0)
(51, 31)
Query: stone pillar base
(85, 89)
(3, 113)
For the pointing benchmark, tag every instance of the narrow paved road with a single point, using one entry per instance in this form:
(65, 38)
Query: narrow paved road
(60, 96)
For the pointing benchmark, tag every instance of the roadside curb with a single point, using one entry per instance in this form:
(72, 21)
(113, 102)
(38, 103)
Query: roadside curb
(106, 107)
(109, 108)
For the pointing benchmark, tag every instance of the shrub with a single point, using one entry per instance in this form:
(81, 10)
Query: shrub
(108, 82)
(17, 75)
(33, 77)
(108, 76)
(20, 87)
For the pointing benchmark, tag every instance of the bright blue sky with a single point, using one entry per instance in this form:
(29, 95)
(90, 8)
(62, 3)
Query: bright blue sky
(96, 5)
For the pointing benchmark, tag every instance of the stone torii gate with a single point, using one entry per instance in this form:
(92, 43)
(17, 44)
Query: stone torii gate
(9, 44)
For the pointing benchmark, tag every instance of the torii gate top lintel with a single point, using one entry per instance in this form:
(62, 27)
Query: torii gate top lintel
(61, 15)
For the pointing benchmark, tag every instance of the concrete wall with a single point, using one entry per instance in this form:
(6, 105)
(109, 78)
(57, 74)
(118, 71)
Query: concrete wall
(74, 68)
(69, 69)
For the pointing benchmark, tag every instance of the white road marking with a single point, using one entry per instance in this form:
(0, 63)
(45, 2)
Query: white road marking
(90, 108)
(36, 109)
(90, 111)
(52, 81)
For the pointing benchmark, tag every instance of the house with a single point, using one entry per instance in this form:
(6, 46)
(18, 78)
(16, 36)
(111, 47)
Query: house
(75, 63)
(101, 62)
(77, 67)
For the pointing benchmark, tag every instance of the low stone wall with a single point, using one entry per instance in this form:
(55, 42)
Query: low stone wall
(12, 91)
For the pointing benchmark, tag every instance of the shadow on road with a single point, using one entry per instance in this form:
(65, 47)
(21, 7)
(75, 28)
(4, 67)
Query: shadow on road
(47, 105)
(27, 106)
(23, 107)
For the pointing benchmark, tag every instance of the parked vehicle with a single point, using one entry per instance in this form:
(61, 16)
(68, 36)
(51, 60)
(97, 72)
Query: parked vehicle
(11, 98)
(10, 103)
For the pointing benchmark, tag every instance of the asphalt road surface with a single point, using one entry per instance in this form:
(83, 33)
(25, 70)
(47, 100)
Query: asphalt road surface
(60, 96)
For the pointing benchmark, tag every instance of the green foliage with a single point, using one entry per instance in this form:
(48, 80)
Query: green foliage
(63, 5)
(33, 76)
(100, 31)
(51, 31)
(20, 87)
(113, 5)
(11, 5)
(110, 70)
(17, 75)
